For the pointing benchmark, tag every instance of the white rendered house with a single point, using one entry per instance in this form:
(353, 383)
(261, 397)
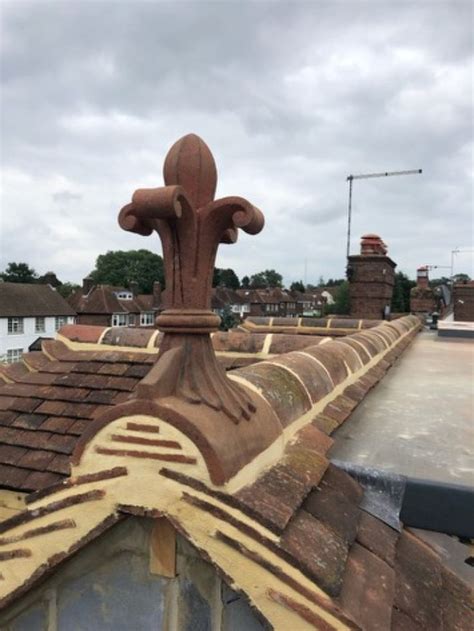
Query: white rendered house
(27, 312)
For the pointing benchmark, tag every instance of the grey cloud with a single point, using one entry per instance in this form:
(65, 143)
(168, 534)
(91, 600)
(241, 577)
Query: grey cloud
(291, 98)
(63, 197)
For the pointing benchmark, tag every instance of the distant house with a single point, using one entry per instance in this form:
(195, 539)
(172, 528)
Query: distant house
(272, 301)
(309, 303)
(27, 312)
(222, 297)
(106, 305)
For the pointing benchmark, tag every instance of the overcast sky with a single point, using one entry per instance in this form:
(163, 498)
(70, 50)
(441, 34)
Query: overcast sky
(291, 97)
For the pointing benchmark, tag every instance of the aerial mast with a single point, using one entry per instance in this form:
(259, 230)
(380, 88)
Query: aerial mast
(364, 176)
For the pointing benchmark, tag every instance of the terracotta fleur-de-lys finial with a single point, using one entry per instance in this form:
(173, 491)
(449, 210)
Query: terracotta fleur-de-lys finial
(191, 224)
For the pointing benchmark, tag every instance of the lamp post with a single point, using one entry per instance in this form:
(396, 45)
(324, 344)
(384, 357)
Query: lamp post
(364, 176)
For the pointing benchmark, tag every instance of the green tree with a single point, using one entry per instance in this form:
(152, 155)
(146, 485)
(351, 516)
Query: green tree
(120, 268)
(245, 283)
(227, 319)
(335, 282)
(436, 282)
(461, 278)
(49, 278)
(19, 273)
(341, 304)
(401, 293)
(225, 278)
(66, 289)
(267, 278)
(298, 285)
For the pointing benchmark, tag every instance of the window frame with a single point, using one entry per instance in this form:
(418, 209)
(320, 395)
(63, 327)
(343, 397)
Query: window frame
(147, 318)
(14, 355)
(16, 325)
(40, 329)
(117, 318)
(60, 321)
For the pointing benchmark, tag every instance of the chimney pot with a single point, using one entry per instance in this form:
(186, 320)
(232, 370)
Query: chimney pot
(422, 279)
(372, 244)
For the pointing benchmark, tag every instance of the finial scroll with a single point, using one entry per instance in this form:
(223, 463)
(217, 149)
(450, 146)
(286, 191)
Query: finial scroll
(191, 224)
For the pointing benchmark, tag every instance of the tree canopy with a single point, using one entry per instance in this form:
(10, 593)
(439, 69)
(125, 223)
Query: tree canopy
(335, 282)
(341, 304)
(228, 320)
(66, 289)
(50, 278)
(245, 282)
(120, 268)
(461, 278)
(225, 278)
(298, 285)
(19, 273)
(267, 278)
(401, 293)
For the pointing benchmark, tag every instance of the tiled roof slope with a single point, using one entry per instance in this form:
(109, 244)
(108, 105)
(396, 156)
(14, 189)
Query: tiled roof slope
(270, 295)
(222, 296)
(102, 299)
(333, 326)
(54, 395)
(50, 398)
(28, 299)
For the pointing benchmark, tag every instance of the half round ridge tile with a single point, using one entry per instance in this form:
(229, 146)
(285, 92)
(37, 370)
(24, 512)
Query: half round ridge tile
(281, 388)
(124, 336)
(332, 357)
(313, 376)
(85, 333)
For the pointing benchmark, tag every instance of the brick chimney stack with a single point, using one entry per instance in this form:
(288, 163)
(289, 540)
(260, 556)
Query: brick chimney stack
(371, 277)
(87, 285)
(134, 288)
(422, 280)
(422, 297)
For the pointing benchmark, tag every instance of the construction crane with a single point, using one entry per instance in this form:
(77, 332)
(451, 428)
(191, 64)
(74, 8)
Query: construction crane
(430, 267)
(365, 176)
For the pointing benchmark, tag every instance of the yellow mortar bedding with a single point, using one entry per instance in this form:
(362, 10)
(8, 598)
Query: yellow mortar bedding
(143, 488)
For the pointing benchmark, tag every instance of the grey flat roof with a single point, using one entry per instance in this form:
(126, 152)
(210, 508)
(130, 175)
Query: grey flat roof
(419, 420)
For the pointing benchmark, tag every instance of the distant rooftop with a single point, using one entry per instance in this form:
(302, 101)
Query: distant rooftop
(28, 299)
